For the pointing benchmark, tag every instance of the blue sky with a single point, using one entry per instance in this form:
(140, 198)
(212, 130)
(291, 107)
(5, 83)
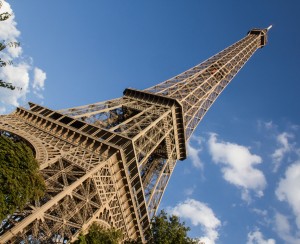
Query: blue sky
(241, 181)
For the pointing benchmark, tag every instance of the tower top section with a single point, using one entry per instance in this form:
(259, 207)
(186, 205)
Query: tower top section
(197, 88)
(262, 33)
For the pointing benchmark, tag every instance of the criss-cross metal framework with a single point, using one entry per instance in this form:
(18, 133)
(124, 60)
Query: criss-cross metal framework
(110, 162)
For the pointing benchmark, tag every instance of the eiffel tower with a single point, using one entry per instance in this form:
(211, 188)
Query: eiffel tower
(110, 162)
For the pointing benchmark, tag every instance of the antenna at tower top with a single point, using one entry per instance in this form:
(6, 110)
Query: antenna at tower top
(269, 27)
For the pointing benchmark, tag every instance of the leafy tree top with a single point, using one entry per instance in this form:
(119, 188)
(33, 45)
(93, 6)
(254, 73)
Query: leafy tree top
(168, 230)
(99, 235)
(20, 180)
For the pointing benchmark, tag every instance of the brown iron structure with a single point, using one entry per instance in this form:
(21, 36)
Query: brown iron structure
(110, 162)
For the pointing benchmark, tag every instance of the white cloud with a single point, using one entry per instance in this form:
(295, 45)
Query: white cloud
(199, 214)
(238, 166)
(193, 153)
(289, 189)
(283, 229)
(39, 79)
(256, 237)
(9, 33)
(282, 224)
(284, 148)
(19, 73)
(8, 29)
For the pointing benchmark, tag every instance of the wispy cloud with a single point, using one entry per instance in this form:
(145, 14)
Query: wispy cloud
(269, 125)
(284, 148)
(8, 28)
(256, 237)
(283, 229)
(200, 215)
(193, 153)
(260, 212)
(238, 166)
(264, 218)
(39, 79)
(289, 191)
(17, 75)
(189, 191)
(39, 82)
(20, 72)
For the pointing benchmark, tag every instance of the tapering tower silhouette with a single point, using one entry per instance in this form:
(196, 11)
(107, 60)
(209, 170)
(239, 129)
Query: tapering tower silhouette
(110, 162)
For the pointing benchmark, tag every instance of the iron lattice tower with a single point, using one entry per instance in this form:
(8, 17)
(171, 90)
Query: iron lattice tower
(110, 162)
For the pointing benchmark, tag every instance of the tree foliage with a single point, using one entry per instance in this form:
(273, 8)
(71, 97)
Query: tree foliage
(99, 235)
(165, 230)
(7, 85)
(20, 180)
(168, 230)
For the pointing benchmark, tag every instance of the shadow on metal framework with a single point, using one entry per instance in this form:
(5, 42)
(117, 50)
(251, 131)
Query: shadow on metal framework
(110, 162)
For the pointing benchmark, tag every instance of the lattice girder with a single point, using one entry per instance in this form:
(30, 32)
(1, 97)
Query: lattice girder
(63, 171)
(110, 162)
(200, 86)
